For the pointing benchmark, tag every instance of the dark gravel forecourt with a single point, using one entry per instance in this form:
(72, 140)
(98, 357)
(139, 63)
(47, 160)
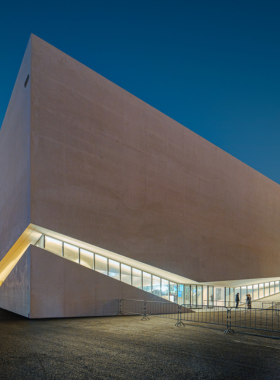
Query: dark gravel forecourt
(128, 348)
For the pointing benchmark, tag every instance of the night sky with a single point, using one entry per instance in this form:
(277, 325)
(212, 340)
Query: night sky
(213, 66)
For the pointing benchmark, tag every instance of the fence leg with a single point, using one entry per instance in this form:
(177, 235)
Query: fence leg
(229, 330)
(120, 308)
(145, 317)
(179, 318)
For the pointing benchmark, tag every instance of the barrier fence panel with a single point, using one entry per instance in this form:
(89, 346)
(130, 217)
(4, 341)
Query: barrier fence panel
(241, 317)
(131, 307)
(163, 309)
(204, 314)
(266, 319)
(257, 319)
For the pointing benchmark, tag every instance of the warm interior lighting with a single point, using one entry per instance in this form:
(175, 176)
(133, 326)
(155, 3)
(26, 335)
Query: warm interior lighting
(164, 284)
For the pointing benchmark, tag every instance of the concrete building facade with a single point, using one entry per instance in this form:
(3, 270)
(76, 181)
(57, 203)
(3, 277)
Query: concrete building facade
(87, 163)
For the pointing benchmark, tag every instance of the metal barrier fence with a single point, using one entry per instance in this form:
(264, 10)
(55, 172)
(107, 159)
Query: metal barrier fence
(145, 308)
(268, 305)
(265, 319)
(241, 317)
(256, 304)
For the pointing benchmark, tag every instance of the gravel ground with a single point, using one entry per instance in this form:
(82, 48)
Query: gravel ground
(128, 348)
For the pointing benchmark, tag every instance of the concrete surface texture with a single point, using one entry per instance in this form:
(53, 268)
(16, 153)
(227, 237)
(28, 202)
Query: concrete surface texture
(61, 288)
(110, 170)
(15, 187)
(128, 348)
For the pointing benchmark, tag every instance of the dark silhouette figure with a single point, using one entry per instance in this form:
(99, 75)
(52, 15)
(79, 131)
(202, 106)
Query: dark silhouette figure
(249, 301)
(237, 299)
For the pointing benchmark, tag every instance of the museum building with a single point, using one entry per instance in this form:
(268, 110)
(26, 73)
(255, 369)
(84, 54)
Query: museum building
(104, 197)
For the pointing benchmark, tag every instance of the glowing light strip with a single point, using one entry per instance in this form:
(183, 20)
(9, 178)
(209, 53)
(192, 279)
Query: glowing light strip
(33, 233)
(7, 264)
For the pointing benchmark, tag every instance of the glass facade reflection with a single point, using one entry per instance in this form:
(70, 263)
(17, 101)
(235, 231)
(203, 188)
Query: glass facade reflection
(147, 282)
(255, 292)
(86, 258)
(114, 269)
(126, 274)
(156, 286)
(53, 245)
(101, 264)
(71, 252)
(271, 288)
(266, 289)
(193, 295)
(187, 300)
(173, 292)
(165, 289)
(137, 278)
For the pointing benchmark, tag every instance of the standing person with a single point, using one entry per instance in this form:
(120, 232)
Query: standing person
(237, 299)
(248, 301)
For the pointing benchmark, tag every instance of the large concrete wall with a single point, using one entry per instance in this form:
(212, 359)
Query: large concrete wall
(15, 188)
(61, 288)
(15, 291)
(110, 170)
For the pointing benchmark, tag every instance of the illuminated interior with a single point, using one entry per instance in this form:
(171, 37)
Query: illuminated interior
(159, 282)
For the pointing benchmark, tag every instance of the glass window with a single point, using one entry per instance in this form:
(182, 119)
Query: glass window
(205, 295)
(227, 303)
(211, 296)
(165, 289)
(255, 292)
(101, 264)
(243, 294)
(126, 274)
(53, 245)
(114, 269)
(173, 292)
(187, 295)
(156, 285)
(231, 297)
(272, 288)
(137, 278)
(147, 282)
(261, 293)
(193, 295)
(266, 289)
(71, 252)
(199, 295)
(276, 286)
(180, 294)
(227, 296)
(219, 296)
(86, 258)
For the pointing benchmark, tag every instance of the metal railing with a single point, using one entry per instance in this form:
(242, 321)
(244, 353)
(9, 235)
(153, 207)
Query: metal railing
(241, 317)
(266, 319)
(145, 308)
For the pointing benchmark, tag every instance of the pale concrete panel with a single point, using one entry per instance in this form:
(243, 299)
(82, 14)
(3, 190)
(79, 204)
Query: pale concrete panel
(61, 288)
(15, 290)
(114, 172)
(15, 187)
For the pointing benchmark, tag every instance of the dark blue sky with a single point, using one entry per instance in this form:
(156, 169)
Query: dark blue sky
(213, 66)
